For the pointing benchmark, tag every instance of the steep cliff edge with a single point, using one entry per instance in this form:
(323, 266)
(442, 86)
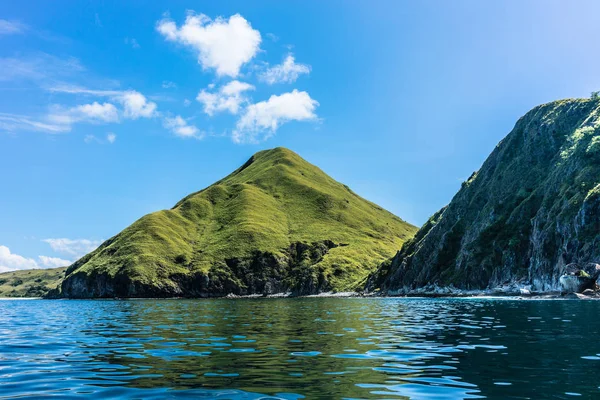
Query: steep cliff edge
(276, 224)
(532, 208)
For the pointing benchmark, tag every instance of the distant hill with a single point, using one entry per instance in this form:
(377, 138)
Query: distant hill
(532, 208)
(30, 282)
(276, 224)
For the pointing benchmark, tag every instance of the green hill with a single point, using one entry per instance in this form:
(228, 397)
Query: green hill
(30, 282)
(532, 208)
(275, 224)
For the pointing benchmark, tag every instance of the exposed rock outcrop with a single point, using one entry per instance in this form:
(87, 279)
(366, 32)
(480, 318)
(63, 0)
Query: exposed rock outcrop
(579, 278)
(262, 273)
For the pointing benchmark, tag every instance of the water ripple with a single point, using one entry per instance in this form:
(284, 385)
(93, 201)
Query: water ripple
(299, 348)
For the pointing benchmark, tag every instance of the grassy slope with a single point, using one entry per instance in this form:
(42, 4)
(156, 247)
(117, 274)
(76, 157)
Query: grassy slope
(275, 199)
(31, 282)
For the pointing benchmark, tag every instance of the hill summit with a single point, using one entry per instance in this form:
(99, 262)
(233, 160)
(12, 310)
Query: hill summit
(276, 224)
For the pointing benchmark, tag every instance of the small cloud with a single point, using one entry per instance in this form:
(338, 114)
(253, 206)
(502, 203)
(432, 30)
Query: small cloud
(136, 105)
(169, 85)
(187, 102)
(91, 139)
(53, 262)
(286, 72)
(223, 45)
(76, 248)
(94, 112)
(181, 128)
(132, 42)
(61, 119)
(261, 120)
(110, 139)
(97, 20)
(230, 97)
(11, 27)
(16, 122)
(13, 262)
(274, 38)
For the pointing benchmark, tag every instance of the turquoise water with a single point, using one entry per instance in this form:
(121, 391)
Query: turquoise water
(301, 348)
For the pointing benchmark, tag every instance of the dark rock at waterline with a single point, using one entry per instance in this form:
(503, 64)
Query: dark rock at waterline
(579, 278)
(261, 273)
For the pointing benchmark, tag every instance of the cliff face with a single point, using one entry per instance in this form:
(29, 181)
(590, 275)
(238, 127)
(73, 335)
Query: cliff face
(532, 208)
(276, 224)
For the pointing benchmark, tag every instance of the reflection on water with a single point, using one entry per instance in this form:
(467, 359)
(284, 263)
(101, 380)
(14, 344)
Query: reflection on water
(300, 348)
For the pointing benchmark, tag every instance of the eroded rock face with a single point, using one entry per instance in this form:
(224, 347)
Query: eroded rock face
(262, 273)
(579, 278)
(532, 208)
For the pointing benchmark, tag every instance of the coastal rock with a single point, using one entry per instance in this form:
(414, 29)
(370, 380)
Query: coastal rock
(532, 208)
(575, 284)
(579, 278)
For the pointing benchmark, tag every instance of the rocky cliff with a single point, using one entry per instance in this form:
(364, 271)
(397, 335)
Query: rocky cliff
(532, 209)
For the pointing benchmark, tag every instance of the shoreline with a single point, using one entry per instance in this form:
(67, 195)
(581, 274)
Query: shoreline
(411, 295)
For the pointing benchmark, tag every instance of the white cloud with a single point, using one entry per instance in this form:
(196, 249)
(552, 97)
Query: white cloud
(53, 262)
(13, 262)
(222, 44)
(132, 42)
(11, 27)
(111, 138)
(94, 112)
(180, 127)
(16, 122)
(102, 112)
(261, 120)
(73, 89)
(60, 119)
(136, 105)
(169, 85)
(73, 247)
(187, 102)
(229, 98)
(286, 72)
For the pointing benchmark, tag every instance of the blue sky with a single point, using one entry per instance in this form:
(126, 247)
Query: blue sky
(109, 111)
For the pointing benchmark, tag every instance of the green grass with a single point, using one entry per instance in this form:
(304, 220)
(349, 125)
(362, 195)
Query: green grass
(30, 283)
(273, 200)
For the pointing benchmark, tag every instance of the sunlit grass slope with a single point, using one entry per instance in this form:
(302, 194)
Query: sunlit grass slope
(31, 282)
(274, 200)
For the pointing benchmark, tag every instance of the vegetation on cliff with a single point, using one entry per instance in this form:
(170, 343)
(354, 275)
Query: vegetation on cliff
(30, 282)
(532, 208)
(277, 223)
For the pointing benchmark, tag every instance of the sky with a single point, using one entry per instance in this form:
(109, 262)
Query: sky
(110, 110)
